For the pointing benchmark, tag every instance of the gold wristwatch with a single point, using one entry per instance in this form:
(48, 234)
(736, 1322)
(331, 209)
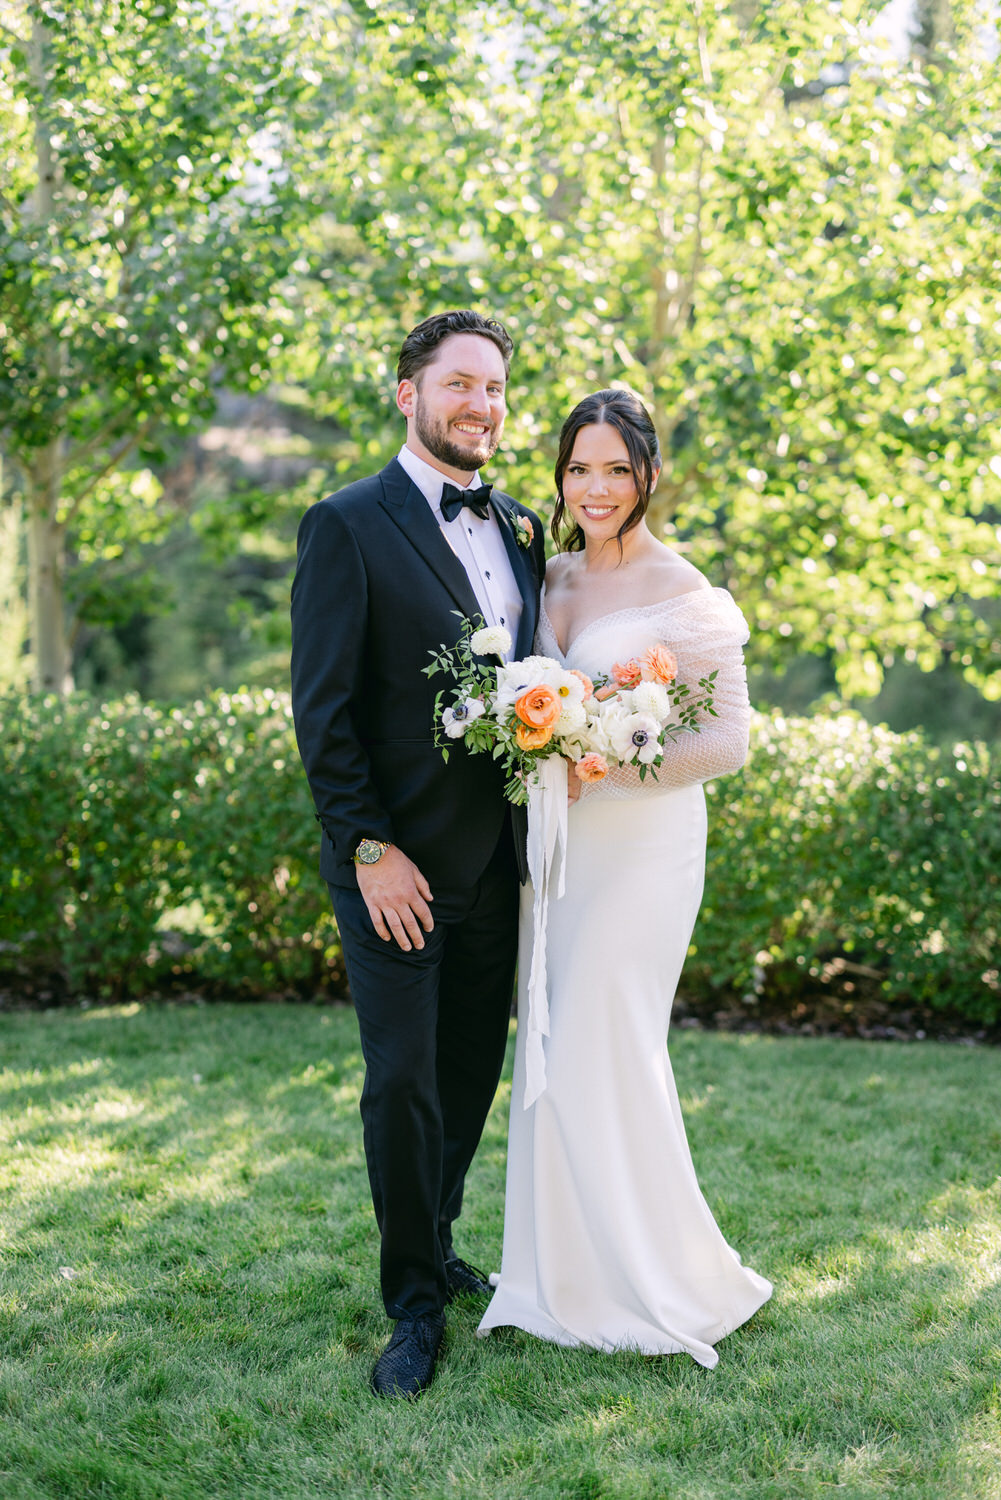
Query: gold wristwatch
(370, 851)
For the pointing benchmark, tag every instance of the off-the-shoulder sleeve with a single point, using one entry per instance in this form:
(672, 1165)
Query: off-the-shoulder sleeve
(706, 631)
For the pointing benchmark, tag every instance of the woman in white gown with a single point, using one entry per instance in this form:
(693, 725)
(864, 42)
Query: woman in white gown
(608, 1241)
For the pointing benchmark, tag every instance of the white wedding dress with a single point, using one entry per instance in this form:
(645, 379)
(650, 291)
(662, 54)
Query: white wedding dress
(608, 1241)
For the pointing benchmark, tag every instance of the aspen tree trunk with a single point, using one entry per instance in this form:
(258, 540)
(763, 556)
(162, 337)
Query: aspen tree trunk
(46, 533)
(46, 604)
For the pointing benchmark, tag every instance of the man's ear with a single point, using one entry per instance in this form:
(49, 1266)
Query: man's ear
(405, 393)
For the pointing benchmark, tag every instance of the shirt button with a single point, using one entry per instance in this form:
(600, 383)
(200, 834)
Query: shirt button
(502, 619)
(488, 574)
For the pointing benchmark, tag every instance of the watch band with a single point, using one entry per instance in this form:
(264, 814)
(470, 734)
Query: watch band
(370, 851)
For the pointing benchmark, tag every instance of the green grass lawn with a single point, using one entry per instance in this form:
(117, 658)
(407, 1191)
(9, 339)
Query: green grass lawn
(188, 1279)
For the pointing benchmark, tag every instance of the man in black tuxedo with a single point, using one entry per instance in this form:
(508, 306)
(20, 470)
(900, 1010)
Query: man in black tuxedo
(419, 856)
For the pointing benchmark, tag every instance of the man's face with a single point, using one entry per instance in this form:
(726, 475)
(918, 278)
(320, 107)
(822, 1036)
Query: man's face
(455, 409)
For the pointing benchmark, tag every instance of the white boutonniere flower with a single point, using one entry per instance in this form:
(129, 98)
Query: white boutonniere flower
(492, 640)
(457, 719)
(524, 531)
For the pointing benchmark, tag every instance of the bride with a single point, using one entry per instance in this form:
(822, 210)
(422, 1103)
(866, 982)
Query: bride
(608, 1241)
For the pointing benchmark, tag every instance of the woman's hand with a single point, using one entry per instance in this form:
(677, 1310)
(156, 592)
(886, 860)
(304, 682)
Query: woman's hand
(574, 783)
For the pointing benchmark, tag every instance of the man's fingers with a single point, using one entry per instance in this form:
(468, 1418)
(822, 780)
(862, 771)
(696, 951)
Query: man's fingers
(397, 928)
(381, 930)
(423, 889)
(422, 912)
(412, 927)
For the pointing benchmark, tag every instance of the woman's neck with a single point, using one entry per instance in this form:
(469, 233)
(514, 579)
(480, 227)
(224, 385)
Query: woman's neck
(604, 557)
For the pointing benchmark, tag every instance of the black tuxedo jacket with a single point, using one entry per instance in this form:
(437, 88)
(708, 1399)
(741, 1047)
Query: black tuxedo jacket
(376, 589)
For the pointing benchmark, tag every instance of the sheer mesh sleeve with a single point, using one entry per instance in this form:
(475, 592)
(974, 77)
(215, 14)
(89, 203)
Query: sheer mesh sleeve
(706, 634)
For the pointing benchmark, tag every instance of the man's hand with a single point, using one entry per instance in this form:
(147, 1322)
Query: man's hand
(397, 897)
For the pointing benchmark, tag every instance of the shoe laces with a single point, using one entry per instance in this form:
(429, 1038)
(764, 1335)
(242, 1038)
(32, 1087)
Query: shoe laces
(427, 1330)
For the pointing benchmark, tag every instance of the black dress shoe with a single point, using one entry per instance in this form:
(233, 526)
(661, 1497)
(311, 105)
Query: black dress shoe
(465, 1280)
(406, 1365)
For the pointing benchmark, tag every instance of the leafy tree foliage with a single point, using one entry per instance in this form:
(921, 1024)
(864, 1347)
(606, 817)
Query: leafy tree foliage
(782, 237)
(142, 262)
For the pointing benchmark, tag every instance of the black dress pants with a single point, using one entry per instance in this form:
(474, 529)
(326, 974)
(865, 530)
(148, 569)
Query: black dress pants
(433, 1028)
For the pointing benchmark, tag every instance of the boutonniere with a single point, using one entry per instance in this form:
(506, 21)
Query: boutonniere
(523, 531)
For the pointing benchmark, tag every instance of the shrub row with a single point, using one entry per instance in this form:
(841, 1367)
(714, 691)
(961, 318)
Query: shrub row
(145, 846)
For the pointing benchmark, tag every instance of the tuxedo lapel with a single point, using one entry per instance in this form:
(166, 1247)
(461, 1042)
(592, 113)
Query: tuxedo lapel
(406, 506)
(521, 564)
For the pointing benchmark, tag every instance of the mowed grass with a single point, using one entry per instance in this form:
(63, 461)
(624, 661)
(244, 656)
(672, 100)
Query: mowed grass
(189, 1305)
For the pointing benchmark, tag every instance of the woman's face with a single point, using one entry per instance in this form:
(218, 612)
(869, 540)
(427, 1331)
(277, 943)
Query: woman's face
(598, 484)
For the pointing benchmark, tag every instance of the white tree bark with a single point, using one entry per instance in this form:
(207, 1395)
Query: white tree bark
(46, 532)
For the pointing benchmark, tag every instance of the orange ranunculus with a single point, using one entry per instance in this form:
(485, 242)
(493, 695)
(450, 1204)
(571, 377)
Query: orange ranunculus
(627, 674)
(592, 766)
(588, 684)
(538, 706)
(658, 664)
(528, 738)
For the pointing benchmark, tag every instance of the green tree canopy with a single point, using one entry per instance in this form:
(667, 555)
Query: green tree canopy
(785, 238)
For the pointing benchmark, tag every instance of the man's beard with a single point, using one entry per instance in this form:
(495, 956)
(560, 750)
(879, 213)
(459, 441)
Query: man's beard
(434, 435)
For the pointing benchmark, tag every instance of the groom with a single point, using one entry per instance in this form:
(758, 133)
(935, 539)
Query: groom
(419, 856)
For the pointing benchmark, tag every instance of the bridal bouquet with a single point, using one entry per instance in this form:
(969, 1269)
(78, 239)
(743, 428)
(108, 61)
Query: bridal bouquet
(530, 710)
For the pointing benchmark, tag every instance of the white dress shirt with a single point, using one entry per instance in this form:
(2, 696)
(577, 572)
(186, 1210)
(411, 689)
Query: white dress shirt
(478, 545)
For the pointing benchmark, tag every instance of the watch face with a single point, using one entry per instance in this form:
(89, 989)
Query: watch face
(369, 852)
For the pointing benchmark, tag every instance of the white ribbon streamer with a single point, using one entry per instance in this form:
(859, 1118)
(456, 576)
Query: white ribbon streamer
(547, 843)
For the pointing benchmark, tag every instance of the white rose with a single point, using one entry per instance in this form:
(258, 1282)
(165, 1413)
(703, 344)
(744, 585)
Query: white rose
(636, 737)
(595, 734)
(491, 640)
(652, 698)
(457, 719)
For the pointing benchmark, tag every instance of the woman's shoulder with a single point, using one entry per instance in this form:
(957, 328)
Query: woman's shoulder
(675, 589)
(559, 572)
(664, 574)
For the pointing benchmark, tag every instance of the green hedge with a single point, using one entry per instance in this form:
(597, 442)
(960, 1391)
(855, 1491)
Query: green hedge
(848, 856)
(146, 847)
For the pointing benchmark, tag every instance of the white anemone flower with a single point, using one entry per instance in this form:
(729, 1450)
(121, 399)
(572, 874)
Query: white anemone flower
(491, 640)
(457, 719)
(636, 737)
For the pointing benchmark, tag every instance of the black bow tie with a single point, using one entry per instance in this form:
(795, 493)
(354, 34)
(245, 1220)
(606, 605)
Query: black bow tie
(453, 499)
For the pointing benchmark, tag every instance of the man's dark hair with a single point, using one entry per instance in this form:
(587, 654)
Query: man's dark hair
(420, 344)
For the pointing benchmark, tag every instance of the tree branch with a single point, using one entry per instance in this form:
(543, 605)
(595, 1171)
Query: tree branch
(82, 451)
(114, 460)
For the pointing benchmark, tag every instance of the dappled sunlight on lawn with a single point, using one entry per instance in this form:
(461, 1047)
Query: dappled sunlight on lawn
(188, 1231)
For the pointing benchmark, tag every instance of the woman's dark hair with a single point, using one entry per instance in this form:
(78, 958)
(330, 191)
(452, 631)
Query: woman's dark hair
(419, 346)
(624, 411)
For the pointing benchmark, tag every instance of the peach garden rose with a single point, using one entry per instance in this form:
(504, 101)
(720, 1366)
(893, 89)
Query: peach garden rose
(592, 767)
(538, 707)
(527, 738)
(626, 674)
(657, 664)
